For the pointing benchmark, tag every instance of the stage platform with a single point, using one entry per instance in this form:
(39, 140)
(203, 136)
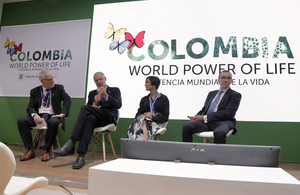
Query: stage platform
(59, 170)
(180, 178)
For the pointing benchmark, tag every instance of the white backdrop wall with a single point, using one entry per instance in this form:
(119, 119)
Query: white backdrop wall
(188, 42)
(61, 47)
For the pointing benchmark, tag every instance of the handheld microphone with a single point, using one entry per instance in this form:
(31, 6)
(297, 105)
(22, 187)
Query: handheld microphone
(98, 92)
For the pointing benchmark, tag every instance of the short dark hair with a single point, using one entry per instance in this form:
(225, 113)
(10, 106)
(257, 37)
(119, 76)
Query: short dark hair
(225, 71)
(154, 81)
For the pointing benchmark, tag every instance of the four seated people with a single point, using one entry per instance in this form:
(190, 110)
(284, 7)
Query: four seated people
(217, 114)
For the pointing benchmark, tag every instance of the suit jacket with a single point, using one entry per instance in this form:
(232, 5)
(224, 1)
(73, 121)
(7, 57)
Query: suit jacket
(226, 109)
(58, 94)
(113, 103)
(161, 106)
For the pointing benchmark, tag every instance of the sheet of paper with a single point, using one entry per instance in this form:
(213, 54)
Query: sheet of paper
(42, 125)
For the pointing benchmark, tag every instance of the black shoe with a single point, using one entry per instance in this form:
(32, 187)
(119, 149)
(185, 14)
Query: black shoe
(79, 162)
(65, 150)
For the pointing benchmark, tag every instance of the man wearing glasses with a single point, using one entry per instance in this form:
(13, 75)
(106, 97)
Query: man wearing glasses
(217, 113)
(44, 105)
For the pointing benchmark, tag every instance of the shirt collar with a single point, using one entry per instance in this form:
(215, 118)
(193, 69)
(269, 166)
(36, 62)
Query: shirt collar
(224, 90)
(44, 89)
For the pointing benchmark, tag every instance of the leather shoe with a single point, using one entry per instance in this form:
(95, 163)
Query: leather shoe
(79, 162)
(45, 156)
(29, 155)
(65, 150)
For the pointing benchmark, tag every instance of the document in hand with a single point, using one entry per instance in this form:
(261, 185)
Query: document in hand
(42, 125)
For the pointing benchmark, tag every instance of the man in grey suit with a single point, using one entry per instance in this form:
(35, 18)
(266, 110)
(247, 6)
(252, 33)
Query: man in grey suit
(101, 109)
(44, 103)
(217, 114)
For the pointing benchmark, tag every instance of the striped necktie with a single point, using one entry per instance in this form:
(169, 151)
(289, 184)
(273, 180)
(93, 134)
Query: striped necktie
(214, 103)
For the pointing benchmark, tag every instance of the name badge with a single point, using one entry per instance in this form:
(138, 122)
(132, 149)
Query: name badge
(44, 110)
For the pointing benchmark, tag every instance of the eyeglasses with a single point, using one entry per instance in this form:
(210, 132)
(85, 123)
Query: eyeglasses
(98, 80)
(226, 78)
(52, 79)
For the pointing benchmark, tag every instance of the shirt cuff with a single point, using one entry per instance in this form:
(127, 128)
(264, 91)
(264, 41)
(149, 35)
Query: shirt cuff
(205, 118)
(33, 114)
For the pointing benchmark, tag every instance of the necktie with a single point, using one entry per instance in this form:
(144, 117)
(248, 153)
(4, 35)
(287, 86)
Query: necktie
(46, 103)
(214, 103)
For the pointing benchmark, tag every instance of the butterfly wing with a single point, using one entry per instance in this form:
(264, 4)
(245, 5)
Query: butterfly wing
(139, 39)
(18, 48)
(113, 45)
(130, 38)
(110, 31)
(122, 47)
(12, 51)
(118, 34)
(6, 43)
(11, 44)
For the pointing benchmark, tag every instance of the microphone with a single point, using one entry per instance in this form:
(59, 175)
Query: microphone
(98, 92)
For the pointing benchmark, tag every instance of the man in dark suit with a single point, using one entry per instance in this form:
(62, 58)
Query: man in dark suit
(44, 104)
(101, 109)
(217, 114)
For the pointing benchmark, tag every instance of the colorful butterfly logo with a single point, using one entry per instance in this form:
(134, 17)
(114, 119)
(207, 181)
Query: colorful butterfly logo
(121, 46)
(11, 47)
(138, 41)
(115, 34)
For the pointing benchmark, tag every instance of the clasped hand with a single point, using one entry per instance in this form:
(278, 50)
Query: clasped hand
(196, 118)
(38, 120)
(102, 93)
(149, 116)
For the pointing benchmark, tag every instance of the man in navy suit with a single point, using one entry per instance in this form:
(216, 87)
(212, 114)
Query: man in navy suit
(101, 109)
(217, 114)
(45, 102)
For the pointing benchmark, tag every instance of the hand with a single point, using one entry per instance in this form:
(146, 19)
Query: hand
(37, 119)
(97, 98)
(196, 118)
(147, 116)
(61, 116)
(102, 92)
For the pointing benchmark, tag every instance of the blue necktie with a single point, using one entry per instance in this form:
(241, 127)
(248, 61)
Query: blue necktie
(214, 103)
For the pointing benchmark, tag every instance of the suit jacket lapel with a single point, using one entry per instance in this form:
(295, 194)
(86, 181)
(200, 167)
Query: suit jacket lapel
(53, 91)
(226, 95)
(210, 99)
(108, 90)
(39, 96)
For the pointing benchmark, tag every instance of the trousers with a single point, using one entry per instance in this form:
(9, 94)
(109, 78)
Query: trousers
(220, 128)
(89, 118)
(24, 124)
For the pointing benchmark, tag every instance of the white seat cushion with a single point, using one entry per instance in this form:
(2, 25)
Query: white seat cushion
(110, 127)
(210, 134)
(161, 131)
